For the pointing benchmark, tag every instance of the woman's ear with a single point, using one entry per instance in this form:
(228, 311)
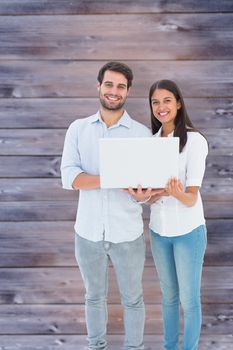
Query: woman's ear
(178, 104)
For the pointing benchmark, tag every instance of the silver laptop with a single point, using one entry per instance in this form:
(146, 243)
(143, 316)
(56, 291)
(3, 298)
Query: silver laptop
(128, 162)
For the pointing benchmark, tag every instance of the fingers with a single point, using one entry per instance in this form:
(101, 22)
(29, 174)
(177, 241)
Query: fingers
(141, 191)
(132, 191)
(147, 192)
(157, 191)
(174, 186)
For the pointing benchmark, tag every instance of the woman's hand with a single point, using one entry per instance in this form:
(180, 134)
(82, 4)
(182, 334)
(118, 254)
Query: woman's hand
(155, 197)
(174, 187)
(186, 196)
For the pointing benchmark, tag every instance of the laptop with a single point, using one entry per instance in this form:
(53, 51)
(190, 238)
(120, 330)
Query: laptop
(129, 162)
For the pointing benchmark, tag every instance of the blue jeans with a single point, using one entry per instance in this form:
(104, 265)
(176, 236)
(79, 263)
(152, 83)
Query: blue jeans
(179, 261)
(128, 260)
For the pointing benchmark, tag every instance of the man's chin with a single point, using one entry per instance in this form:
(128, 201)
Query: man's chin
(112, 108)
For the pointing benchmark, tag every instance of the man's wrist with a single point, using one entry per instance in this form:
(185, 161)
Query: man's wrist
(141, 202)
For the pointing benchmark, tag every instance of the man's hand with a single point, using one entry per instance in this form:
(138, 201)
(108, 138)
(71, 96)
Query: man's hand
(143, 195)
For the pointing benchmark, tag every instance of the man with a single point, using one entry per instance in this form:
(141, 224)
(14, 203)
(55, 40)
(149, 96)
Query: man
(109, 223)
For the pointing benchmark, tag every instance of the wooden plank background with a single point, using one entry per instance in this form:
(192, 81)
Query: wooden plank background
(50, 54)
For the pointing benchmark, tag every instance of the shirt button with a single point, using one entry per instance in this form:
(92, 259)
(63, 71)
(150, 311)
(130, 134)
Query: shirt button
(106, 245)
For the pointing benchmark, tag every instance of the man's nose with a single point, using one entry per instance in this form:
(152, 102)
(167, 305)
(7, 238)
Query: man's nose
(114, 90)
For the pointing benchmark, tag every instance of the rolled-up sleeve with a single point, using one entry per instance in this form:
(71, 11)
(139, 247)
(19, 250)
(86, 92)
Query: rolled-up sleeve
(71, 162)
(196, 160)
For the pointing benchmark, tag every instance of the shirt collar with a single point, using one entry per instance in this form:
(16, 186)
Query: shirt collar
(125, 120)
(158, 134)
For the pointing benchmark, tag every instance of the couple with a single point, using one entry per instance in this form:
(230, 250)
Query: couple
(109, 223)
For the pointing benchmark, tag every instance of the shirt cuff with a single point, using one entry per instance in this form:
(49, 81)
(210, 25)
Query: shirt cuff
(193, 182)
(68, 179)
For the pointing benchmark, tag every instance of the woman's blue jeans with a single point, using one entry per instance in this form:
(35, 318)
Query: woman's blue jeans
(179, 261)
(128, 260)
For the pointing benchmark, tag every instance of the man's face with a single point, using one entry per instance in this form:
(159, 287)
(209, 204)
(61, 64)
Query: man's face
(113, 90)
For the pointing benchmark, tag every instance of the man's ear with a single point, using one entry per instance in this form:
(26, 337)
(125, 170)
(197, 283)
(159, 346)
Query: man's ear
(98, 86)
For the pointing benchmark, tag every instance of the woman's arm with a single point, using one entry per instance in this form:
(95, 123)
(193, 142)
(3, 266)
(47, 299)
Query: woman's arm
(176, 189)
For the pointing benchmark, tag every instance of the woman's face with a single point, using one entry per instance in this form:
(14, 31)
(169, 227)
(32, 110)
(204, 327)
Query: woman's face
(165, 106)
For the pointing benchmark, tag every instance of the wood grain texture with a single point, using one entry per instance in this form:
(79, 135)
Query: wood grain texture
(50, 54)
(115, 342)
(66, 210)
(44, 244)
(33, 189)
(70, 78)
(84, 37)
(57, 113)
(50, 141)
(218, 167)
(70, 319)
(38, 7)
(65, 286)
(33, 167)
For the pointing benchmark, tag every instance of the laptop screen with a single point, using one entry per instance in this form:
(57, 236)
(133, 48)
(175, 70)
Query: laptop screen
(129, 162)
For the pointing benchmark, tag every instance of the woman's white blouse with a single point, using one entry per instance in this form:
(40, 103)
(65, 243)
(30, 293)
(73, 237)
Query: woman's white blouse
(169, 217)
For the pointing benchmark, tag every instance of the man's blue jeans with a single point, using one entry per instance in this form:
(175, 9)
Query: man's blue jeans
(128, 260)
(179, 261)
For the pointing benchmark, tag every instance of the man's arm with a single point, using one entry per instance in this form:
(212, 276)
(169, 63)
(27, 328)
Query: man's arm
(85, 181)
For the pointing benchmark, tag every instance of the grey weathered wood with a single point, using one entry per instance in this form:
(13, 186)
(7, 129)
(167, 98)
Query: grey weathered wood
(33, 189)
(82, 37)
(218, 167)
(38, 7)
(37, 244)
(40, 244)
(26, 166)
(60, 112)
(65, 286)
(69, 78)
(48, 68)
(57, 210)
(217, 189)
(115, 342)
(50, 141)
(70, 319)
(217, 140)
(37, 211)
(32, 142)
(47, 113)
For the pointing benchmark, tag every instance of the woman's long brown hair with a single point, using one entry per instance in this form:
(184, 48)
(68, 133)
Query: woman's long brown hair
(183, 123)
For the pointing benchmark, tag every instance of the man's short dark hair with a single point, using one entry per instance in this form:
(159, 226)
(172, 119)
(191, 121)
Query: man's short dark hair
(116, 67)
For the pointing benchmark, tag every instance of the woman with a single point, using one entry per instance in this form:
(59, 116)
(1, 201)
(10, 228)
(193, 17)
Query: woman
(177, 224)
